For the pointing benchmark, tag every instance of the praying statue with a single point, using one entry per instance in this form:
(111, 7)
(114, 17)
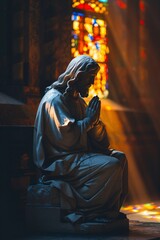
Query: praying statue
(72, 149)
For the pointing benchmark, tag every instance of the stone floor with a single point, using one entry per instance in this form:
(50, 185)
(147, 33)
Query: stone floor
(144, 225)
(138, 231)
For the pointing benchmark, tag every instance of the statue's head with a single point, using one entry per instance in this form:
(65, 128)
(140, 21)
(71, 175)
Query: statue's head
(79, 76)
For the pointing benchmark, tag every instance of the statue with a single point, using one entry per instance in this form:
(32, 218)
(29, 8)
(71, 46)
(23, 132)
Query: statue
(71, 148)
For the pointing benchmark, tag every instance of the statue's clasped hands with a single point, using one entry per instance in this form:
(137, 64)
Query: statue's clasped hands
(93, 110)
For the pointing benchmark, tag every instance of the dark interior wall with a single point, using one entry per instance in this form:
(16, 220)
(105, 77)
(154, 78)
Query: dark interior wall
(49, 30)
(153, 40)
(31, 53)
(14, 47)
(4, 42)
(17, 173)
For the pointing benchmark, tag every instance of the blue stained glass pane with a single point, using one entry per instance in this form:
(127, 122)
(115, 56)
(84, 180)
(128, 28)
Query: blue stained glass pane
(107, 85)
(74, 17)
(103, 1)
(75, 36)
(90, 36)
(97, 46)
(94, 21)
(78, 14)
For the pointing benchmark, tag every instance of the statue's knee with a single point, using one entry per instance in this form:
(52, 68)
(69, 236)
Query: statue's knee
(116, 162)
(120, 156)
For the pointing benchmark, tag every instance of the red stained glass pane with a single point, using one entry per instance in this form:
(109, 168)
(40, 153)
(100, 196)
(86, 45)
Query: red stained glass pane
(85, 7)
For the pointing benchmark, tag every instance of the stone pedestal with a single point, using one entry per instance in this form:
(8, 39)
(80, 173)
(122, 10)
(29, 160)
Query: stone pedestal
(43, 214)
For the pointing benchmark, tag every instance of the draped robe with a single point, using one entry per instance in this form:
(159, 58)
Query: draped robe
(76, 159)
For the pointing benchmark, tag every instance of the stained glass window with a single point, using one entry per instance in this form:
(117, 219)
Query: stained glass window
(90, 37)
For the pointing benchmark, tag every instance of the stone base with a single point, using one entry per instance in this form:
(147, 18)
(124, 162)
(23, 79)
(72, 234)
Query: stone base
(114, 227)
(43, 214)
(48, 220)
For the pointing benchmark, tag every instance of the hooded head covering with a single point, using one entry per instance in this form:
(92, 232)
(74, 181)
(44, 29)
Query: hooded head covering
(77, 66)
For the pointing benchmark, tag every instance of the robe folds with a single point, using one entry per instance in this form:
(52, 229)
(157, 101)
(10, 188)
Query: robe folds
(75, 158)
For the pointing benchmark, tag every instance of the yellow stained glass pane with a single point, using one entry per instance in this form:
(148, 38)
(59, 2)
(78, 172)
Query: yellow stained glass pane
(93, 5)
(97, 9)
(103, 31)
(88, 27)
(75, 25)
(100, 22)
(107, 50)
(85, 49)
(73, 50)
(86, 38)
(75, 4)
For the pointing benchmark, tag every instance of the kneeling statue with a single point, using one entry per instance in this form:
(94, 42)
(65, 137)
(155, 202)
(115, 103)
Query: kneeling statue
(71, 148)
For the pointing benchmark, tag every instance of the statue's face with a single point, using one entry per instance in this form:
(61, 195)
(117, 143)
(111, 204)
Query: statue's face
(85, 83)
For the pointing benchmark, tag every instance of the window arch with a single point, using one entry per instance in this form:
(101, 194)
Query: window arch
(90, 37)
